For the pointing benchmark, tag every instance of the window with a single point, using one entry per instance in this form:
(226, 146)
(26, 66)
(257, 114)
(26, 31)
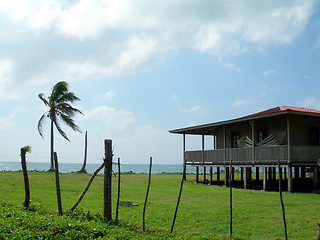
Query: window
(314, 136)
(234, 139)
(262, 134)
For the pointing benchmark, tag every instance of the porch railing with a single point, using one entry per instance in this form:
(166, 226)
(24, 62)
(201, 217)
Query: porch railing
(261, 154)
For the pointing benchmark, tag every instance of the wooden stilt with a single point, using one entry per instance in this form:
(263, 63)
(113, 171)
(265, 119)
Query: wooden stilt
(290, 179)
(274, 173)
(204, 174)
(257, 173)
(270, 173)
(315, 178)
(296, 172)
(303, 172)
(246, 179)
(285, 173)
(197, 174)
(241, 173)
(265, 181)
(218, 174)
(226, 173)
(210, 175)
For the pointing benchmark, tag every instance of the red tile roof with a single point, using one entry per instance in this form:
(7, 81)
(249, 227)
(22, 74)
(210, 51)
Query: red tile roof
(284, 108)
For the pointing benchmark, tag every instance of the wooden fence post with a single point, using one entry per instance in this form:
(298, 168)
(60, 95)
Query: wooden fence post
(25, 176)
(107, 211)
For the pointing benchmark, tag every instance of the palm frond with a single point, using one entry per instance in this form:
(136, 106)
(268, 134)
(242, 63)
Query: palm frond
(67, 109)
(58, 90)
(45, 101)
(70, 122)
(68, 97)
(40, 124)
(63, 134)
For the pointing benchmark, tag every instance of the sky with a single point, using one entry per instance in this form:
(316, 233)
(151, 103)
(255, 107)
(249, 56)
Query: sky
(142, 68)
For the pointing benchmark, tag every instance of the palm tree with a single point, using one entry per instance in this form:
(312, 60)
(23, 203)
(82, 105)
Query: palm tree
(59, 110)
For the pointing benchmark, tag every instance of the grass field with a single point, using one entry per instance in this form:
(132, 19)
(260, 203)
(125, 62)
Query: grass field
(203, 211)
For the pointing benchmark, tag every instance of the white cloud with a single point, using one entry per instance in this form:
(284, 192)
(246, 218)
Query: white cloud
(6, 80)
(126, 36)
(307, 76)
(193, 109)
(268, 72)
(231, 66)
(108, 95)
(240, 102)
(5, 123)
(311, 102)
(111, 119)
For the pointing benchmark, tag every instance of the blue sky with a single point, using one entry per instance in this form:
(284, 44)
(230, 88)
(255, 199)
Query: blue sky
(142, 68)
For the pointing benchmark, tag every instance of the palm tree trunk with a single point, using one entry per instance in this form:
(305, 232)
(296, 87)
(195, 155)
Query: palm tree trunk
(51, 169)
(83, 169)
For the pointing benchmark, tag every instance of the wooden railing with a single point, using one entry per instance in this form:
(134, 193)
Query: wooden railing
(261, 154)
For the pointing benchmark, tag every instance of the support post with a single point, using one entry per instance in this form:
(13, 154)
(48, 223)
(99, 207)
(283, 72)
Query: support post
(218, 174)
(107, 210)
(197, 174)
(303, 172)
(246, 180)
(226, 175)
(204, 174)
(289, 178)
(257, 173)
(184, 157)
(315, 178)
(296, 172)
(265, 181)
(210, 175)
(274, 173)
(241, 173)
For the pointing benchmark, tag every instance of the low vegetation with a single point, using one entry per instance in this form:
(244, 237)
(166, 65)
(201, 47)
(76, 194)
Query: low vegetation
(203, 211)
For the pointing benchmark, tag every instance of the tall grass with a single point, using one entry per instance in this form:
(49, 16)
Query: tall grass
(203, 212)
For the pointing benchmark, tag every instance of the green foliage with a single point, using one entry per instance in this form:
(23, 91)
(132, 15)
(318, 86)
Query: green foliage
(203, 211)
(27, 148)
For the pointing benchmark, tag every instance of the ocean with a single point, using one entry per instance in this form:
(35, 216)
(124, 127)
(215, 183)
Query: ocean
(73, 167)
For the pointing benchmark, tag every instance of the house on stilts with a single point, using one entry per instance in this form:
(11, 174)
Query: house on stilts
(255, 143)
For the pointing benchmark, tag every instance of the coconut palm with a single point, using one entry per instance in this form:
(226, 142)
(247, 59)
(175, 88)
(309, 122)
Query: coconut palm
(59, 110)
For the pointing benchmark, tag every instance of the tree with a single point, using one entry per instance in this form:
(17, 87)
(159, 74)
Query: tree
(59, 110)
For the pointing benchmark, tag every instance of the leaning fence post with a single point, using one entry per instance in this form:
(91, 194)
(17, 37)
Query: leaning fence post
(145, 201)
(175, 213)
(107, 211)
(283, 211)
(56, 168)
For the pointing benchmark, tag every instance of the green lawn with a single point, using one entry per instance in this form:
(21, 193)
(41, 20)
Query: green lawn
(203, 211)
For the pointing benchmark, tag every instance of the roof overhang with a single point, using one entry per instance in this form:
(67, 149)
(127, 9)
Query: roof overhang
(210, 129)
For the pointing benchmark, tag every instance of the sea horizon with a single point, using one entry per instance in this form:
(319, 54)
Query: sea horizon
(6, 166)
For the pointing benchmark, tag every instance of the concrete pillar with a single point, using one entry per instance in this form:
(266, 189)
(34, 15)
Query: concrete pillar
(315, 178)
(290, 185)
(303, 172)
(257, 173)
(265, 180)
(246, 178)
(197, 174)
